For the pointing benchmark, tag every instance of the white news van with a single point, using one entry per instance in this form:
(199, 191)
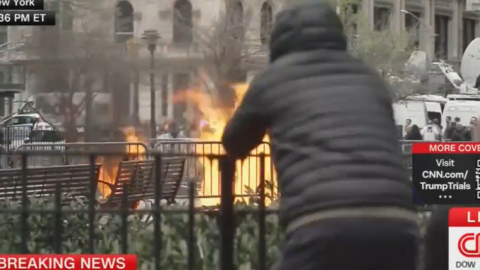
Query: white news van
(463, 109)
(414, 110)
(419, 109)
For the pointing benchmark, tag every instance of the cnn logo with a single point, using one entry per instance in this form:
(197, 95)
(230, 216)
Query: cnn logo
(471, 240)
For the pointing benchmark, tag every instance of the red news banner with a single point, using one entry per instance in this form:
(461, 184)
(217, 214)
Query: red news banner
(70, 262)
(446, 173)
(463, 238)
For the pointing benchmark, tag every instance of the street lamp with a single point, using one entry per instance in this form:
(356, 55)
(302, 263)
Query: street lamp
(151, 36)
(431, 33)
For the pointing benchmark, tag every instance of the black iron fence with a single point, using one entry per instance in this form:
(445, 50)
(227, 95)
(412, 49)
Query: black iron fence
(28, 188)
(72, 208)
(11, 137)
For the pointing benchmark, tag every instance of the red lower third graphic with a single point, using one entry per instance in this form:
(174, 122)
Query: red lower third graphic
(71, 262)
(464, 238)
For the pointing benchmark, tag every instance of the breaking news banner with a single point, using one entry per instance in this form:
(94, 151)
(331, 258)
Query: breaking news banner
(446, 173)
(27, 17)
(22, 4)
(70, 262)
(463, 238)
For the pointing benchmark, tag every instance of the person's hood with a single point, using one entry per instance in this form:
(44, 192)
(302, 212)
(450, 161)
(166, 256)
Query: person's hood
(307, 26)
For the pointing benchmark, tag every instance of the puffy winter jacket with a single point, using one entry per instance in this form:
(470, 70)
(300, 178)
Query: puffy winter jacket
(330, 119)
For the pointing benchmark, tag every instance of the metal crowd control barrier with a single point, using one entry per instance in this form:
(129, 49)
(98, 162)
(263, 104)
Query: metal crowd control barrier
(132, 148)
(407, 152)
(204, 171)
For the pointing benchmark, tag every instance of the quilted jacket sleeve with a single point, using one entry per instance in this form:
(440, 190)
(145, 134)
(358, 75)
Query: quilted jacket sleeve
(247, 127)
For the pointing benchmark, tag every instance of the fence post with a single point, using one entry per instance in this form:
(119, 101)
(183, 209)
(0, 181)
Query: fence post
(157, 211)
(227, 223)
(25, 212)
(261, 217)
(91, 205)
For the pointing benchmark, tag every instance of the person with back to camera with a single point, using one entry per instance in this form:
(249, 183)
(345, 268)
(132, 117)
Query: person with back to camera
(414, 134)
(346, 199)
(470, 130)
(458, 134)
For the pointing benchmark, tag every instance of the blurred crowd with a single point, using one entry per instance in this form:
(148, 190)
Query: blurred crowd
(170, 129)
(433, 131)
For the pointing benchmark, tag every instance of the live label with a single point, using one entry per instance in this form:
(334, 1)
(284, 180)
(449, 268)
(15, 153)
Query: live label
(464, 238)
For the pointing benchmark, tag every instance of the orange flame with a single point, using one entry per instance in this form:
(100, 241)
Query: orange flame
(248, 172)
(110, 164)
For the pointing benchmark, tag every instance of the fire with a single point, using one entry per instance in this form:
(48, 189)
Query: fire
(217, 116)
(109, 169)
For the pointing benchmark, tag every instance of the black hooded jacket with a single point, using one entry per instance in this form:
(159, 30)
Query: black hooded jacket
(330, 119)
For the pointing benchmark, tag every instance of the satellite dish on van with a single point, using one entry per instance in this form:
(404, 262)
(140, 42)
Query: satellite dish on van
(451, 75)
(470, 66)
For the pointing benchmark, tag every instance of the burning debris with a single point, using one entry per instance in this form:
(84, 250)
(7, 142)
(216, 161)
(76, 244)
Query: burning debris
(110, 164)
(216, 115)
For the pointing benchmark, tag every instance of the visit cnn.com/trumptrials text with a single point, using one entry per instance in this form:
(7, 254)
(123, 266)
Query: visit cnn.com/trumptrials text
(446, 173)
(25, 12)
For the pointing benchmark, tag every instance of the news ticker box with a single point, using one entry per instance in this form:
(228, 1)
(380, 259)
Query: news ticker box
(28, 17)
(446, 173)
(25, 12)
(70, 262)
(464, 238)
(22, 4)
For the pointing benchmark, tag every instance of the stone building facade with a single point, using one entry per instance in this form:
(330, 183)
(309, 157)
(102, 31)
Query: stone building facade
(443, 29)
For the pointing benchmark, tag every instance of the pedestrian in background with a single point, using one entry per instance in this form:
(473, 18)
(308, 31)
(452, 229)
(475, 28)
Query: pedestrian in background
(408, 124)
(430, 132)
(458, 133)
(346, 197)
(414, 134)
(470, 130)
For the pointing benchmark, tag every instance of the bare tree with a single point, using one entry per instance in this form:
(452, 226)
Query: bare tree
(385, 49)
(225, 51)
(72, 58)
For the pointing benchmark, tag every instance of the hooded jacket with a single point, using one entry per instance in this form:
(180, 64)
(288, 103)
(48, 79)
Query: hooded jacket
(329, 117)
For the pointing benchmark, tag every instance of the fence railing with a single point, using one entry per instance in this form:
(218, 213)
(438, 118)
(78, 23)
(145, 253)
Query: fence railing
(202, 169)
(199, 167)
(27, 184)
(72, 228)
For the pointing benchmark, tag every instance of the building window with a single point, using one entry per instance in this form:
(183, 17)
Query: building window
(236, 21)
(182, 22)
(412, 25)
(123, 22)
(266, 22)
(54, 6)
(469, 29)
(66, 16)
(3, 34)
(164, 97)
(181, 81)
(350, 11)
(381, 18)
(12, 77)
(441, 36)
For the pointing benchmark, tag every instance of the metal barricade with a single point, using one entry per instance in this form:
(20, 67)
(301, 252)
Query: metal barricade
(204, 171)
(407, 152)
(131, 148)
(39, 160)
(4, 158)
